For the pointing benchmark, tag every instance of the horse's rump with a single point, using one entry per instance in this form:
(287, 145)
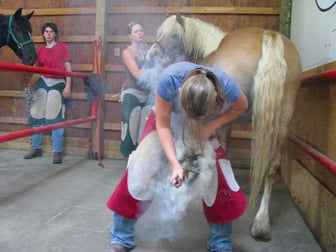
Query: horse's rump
(255, 58)
(238, 55)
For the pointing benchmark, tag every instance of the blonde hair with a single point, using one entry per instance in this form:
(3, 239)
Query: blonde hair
(200, 95)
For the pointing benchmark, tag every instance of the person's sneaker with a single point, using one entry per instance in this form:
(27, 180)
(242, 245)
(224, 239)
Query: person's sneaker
(58, 158)
(118, 248)
(33, 154)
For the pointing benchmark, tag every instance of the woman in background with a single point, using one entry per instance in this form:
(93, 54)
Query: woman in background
(50, 91)
(136, 88)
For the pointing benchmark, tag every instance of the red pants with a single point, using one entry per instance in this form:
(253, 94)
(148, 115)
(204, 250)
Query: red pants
(228, 205)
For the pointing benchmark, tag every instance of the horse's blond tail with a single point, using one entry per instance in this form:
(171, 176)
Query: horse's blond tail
(269, 82)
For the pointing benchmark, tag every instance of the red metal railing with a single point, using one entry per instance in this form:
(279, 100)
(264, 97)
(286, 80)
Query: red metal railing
(42, 129)
(41, 70)
(323, 159)
(325, 76)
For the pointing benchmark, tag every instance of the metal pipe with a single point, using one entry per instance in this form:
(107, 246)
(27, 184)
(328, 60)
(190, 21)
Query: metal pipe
(94, 106)
(32, 131)
(323, 159)
(42, 129)
(99, 139)
(40, 70)
(325, 76)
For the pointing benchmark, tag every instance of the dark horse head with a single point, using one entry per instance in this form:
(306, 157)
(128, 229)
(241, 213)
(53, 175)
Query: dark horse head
(15, 32)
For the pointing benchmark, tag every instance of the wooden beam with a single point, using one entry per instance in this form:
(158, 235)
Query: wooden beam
(152, 10)
(241, 134)
(125, 39)
(114, 68)
(69, 39)
(82, 67)
(78, 96)
(112, 97)
(90, 39)
(196, 10)
(112, 126)
(10, 93)
(14, 120)
(54, 11)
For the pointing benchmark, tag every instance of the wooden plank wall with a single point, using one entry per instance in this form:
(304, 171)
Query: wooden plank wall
(83, 21)
(312, 185)
(76, 22)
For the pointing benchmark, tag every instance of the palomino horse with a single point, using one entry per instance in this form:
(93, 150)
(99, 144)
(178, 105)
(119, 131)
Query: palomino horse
(16, 33)
(267, 67)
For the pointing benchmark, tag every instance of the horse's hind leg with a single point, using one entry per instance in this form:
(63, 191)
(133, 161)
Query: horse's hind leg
(261, 228)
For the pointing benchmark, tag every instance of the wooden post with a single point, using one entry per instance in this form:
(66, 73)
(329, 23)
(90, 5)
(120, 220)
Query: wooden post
(99, 68)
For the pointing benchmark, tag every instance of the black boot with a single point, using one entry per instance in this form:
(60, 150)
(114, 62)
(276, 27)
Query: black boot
(33, 154)
(58, 158)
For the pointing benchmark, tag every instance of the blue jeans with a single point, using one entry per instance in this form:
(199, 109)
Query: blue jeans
(57, 136)
(123, 233)
(220, 236)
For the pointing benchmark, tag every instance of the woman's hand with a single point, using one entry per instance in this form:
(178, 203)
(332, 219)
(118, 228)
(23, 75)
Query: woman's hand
(66, 92)
(177, 176)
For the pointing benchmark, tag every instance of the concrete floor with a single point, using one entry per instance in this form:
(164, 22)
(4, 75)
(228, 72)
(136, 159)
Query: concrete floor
(48, 207)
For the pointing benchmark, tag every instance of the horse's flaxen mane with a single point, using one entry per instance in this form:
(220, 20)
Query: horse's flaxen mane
(200, 38)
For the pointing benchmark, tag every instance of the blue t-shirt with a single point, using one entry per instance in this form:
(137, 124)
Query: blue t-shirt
(170, 80)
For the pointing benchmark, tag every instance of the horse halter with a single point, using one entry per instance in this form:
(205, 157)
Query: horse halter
(12, 35)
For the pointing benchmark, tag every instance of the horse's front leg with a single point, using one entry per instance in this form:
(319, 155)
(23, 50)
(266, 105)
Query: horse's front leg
(261, 228)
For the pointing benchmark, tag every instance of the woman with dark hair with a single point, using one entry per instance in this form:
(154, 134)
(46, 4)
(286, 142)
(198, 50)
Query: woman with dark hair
(136, 88)
(133, 96)
(49, 92)
(207, 98)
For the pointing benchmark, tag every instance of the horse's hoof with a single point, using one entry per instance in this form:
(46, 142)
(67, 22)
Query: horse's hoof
(261, 238)
(261, 235)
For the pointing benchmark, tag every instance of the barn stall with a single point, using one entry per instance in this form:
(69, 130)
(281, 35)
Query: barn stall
(105, 25)
(96, 34)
